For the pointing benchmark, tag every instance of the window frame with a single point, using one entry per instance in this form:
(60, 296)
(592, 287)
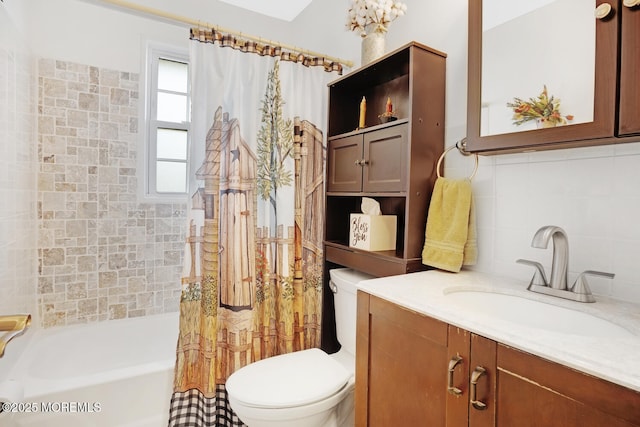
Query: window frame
(149, 191)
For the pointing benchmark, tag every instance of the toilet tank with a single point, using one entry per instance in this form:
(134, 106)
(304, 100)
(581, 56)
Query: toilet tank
(343, 284)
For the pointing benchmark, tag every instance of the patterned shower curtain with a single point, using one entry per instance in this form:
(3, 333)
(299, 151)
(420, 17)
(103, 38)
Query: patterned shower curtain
(252, 281)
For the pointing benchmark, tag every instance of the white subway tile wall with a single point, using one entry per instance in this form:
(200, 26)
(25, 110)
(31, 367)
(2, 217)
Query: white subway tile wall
(102, 254)
(593, 193)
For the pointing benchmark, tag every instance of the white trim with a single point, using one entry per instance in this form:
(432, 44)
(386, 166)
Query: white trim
(145, 170)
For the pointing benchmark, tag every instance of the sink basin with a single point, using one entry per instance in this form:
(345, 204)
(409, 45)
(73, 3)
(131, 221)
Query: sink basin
(535, 314)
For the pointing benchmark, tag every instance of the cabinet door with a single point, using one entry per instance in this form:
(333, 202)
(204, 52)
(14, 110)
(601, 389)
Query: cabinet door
(401, 358)
(629, 123)
(600, 130)
(385, 167)
(344, 169)
(531, 391)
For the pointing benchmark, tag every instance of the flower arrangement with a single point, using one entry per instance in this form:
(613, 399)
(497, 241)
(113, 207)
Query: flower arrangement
(543, 108)
(378, 12)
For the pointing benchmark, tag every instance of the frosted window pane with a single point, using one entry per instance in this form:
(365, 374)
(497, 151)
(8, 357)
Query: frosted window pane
(172, 144)
(172, 108)
(172, 76)
(171, 177)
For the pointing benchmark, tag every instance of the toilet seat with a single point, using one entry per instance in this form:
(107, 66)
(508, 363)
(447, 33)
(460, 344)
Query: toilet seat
(289, 380)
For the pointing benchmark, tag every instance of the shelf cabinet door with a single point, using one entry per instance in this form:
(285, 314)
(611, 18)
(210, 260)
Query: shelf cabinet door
(386, 161)
(629, 66)
(344, 171)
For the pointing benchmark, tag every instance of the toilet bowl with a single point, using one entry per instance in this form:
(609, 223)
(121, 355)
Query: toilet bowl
(307, 388)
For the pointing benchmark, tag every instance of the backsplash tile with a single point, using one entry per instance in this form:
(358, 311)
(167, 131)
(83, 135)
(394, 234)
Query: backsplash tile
(593, 193)
(102, 254)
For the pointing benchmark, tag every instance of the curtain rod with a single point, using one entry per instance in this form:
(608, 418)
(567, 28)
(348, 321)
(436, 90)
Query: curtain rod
(192, 22)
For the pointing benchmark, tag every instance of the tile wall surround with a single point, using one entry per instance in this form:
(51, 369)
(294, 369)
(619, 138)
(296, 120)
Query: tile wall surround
(18, 170)
(592, 192)
(101, 254)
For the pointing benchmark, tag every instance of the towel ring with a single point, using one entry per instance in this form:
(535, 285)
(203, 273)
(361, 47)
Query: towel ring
(463, 152)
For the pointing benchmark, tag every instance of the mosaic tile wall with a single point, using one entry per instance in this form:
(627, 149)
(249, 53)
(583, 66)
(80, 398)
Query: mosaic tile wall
(18, 166)
(102, 254)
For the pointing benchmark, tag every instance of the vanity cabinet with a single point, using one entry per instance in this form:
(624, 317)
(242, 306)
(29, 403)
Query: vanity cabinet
(615, 87)
(393, 163)
(415, 370)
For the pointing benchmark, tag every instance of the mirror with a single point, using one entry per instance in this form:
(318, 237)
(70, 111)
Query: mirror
(526, 51)
(538, 64)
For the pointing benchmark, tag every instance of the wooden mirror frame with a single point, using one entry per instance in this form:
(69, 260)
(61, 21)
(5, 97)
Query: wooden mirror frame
(599, 132)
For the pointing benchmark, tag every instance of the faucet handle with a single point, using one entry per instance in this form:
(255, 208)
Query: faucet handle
(581, 286)
(539, 278)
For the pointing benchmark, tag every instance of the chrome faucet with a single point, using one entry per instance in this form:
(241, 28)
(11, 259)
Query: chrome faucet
(560, 263)
(557, 284)
(13, 326)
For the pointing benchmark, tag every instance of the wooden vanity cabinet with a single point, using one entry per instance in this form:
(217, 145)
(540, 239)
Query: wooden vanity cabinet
(415, 370)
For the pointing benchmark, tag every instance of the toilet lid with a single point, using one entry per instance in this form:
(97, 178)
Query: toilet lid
(288, 380)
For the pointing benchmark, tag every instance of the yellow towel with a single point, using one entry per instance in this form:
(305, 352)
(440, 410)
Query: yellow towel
(450, 235)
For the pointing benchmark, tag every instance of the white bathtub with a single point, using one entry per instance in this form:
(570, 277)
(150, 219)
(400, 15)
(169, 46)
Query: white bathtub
(116, 373)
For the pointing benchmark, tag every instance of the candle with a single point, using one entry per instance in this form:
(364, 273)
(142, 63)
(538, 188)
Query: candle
(389, 106)
(363, 112)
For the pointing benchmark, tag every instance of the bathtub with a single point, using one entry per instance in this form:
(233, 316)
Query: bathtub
(117, 373)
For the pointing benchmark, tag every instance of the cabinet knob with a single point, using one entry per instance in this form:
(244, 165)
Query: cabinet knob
(362, 162)
(603, 11)
(478, 372)
(631, 3)
(455, 361)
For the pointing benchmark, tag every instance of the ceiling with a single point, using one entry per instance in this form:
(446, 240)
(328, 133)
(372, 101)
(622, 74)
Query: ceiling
(286, 10)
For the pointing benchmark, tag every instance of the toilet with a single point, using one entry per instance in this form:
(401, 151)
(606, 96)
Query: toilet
(307, 388)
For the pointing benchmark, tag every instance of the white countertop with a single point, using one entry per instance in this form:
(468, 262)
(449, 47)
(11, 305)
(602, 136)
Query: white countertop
(614, 359)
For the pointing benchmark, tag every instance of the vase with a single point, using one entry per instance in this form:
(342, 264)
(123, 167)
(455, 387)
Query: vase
(544, 124)
(372, 44)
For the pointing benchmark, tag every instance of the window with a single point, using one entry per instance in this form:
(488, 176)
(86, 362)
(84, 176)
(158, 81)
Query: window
(169, 116)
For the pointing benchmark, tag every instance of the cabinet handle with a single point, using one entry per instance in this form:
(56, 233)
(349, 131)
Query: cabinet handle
(603, 11)
(362, 162)
(455, 360)
(475, 376)
(631, 3)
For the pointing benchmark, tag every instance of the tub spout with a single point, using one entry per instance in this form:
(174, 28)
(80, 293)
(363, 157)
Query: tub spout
(11, 327)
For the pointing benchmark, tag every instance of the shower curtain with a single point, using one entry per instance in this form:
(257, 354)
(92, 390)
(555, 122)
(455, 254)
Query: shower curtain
(252, 281)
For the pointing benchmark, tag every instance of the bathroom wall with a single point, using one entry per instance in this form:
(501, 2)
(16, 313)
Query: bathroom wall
(18, 226)
(593, 193)
(102, 254)
(590, 192)
(99, 249)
